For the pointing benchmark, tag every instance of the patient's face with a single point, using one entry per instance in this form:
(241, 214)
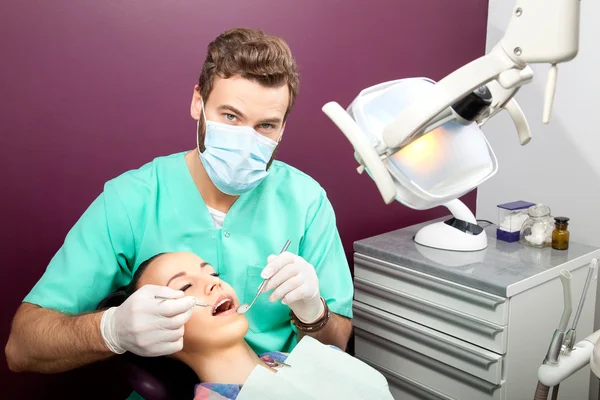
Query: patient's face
(209, 327)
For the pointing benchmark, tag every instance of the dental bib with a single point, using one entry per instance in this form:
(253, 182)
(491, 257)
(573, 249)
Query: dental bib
(316, 372)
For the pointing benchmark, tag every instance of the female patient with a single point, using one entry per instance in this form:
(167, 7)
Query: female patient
(213, 342)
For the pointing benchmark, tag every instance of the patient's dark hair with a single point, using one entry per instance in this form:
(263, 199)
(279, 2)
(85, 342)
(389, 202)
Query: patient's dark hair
(117, 298)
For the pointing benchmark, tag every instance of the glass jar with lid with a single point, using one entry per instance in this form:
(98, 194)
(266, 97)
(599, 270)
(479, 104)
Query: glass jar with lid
(537, 229)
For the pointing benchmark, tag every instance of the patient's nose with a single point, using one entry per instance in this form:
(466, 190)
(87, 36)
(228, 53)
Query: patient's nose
(212, 285)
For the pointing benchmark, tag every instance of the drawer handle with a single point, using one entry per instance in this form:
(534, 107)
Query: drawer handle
(428, 362)
(426, 307)
(436, 284)
(451, 349)
(406, 383)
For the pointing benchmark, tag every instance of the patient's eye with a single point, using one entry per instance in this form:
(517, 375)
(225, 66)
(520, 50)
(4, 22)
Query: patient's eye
(215, 274)
(186, 287)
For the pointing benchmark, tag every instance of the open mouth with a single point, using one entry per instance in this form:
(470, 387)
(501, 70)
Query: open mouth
(223, 306)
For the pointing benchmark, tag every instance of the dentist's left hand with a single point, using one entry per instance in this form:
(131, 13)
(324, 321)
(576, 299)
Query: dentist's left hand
(295, 281)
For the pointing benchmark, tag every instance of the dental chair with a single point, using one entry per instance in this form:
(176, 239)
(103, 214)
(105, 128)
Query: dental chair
(156, 378)
(159, 378)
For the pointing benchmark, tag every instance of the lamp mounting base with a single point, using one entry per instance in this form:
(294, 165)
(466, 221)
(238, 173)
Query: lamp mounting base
(453, 234)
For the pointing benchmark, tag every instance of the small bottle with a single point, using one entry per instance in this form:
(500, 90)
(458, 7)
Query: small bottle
(560, 235)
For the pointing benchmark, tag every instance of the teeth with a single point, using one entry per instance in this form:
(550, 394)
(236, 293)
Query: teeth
(219, 304)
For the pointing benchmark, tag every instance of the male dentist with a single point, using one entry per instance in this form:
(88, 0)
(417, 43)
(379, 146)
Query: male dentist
(227, 201)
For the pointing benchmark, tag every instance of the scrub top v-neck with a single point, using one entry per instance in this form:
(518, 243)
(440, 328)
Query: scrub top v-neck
(157, 208)
(199, 234)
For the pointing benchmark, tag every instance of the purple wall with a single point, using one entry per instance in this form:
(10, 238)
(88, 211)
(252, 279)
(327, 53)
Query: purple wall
(91, 89)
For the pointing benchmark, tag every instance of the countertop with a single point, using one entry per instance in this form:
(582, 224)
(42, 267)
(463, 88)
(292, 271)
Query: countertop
(504, 269)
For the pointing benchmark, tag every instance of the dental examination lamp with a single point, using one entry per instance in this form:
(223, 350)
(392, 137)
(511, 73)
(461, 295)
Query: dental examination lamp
(421, 141)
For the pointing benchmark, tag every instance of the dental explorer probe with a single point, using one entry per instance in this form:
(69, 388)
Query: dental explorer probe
(198, 304)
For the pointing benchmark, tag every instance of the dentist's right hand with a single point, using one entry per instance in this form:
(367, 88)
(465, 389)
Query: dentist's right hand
(147, 326)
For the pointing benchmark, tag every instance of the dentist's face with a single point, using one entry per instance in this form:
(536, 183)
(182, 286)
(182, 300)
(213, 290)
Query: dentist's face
(209, 327)
(239, 101)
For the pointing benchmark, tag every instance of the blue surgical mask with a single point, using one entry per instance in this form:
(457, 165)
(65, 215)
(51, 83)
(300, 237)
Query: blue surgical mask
(235, 157)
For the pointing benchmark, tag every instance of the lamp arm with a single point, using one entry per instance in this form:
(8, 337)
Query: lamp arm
(540, 31)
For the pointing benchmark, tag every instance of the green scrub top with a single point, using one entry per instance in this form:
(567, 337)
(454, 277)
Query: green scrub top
(158, 208)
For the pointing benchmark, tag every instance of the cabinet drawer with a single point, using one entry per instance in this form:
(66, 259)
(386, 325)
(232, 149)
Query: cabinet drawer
(435, 316)
(466, 357)
(403, 388)
(485, 306)
(428, 373)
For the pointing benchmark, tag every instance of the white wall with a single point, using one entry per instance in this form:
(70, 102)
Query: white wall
(560, 167)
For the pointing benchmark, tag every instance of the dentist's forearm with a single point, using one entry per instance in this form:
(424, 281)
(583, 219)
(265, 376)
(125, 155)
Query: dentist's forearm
(47, 341)
(336, 332)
